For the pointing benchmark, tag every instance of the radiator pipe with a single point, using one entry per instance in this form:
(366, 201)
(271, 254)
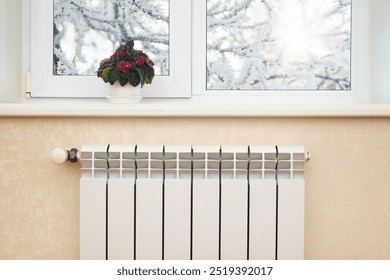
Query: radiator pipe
(59, 156)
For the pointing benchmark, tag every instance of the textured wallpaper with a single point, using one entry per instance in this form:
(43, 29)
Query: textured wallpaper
(347, 189)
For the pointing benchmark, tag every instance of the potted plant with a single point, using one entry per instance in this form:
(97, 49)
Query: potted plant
(127, 71)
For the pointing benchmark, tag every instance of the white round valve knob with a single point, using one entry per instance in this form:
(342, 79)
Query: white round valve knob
(59, 156)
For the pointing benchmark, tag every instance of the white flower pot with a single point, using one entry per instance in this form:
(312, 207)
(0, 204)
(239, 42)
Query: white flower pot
(126, 94)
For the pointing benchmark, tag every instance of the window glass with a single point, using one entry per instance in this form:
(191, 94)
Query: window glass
(279, 45)
(86, 31)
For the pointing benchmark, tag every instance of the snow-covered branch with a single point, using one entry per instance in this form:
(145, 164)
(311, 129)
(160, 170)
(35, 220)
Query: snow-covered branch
(279, 44)
(88, 31)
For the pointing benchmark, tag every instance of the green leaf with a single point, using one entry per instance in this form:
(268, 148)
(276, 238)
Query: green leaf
(126, 57)
(149, 73)
(106, 73)
(142, 75)
(123, 81)
(113, 76)
(130, 44)
(121, 74)
(134, 78)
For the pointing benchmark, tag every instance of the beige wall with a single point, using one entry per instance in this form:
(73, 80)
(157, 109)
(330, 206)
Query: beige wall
(348, 179)
(347, 193)
(10, 50)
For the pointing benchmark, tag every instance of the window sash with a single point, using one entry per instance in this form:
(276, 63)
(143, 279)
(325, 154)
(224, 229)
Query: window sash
(359, 66)
(45, 84)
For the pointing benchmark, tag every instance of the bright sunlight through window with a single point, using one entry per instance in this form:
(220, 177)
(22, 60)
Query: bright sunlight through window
(279, 45)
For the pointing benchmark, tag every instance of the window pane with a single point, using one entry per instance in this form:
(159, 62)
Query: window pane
(86, 31)
(279, 44)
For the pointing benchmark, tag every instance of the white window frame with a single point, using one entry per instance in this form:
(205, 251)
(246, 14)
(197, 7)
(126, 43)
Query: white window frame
(360, 74)
(45, 84)
(188, 63)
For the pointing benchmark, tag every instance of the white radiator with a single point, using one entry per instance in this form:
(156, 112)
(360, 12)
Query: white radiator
(192, 202)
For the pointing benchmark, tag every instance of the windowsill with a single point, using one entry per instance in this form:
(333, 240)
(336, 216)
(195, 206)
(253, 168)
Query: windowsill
(185, 108)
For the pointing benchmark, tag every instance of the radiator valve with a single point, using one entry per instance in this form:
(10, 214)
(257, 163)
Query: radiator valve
(59, 156)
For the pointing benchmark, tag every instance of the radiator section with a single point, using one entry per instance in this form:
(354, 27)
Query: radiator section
(167, 202)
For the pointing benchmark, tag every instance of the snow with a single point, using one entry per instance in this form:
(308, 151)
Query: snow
(86, 31)
(279, 44)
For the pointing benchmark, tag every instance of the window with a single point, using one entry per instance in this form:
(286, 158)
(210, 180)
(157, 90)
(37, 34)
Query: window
(87, 31)
(279, 45)
(295, 49)
(69, 38)
(283, 51)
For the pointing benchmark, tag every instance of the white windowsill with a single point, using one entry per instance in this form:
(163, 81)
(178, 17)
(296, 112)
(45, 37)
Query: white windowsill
(185, 108)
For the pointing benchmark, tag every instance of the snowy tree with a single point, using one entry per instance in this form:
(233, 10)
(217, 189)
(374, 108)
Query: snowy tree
(251, 44)
(279, 44)
(86, 31)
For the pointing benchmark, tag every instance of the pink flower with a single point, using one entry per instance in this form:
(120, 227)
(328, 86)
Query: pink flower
(140, 60)
(124, 49)
(124, 67)
(114, 56)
